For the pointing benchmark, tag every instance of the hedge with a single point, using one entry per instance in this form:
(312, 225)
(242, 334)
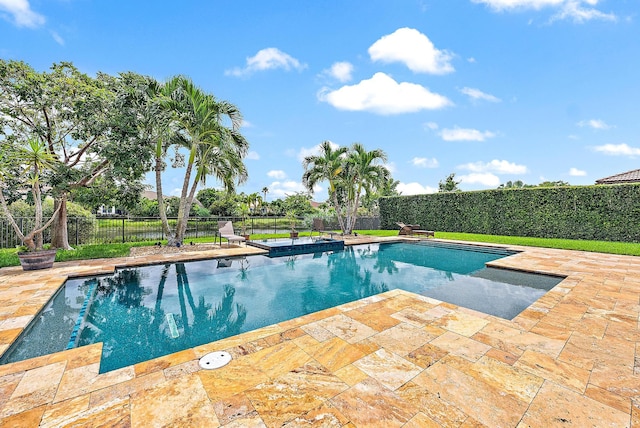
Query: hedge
(602, 212)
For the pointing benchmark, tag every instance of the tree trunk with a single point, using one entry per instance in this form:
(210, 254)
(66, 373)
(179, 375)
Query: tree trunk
(185, 206)
(171, 236)
(189, 203)
(59, 232)
(337, 207)
(37, 239)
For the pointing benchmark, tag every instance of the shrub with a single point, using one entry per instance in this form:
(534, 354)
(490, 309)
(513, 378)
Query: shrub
(609, 213)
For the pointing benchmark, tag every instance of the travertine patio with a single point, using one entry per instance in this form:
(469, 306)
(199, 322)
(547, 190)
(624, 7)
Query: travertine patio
(391, 360)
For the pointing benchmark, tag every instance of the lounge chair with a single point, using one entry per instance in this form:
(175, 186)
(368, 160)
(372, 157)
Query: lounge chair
(225, 228)
(318, 226)
(413, 229)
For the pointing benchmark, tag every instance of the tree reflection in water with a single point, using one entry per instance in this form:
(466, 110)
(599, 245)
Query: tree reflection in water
(133, 330)
(383, 261)
(344, 265)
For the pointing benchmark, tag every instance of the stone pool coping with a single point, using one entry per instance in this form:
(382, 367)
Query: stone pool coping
(395, 359)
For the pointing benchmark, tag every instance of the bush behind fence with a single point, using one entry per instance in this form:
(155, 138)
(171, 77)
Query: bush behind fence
(103, 230)
(608, 213)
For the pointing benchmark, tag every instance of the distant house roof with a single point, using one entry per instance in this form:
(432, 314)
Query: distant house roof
(625, 177)
(151, 194)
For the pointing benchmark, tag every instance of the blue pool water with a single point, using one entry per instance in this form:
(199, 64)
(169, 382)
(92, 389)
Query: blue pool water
(142, 313)
(289, 247)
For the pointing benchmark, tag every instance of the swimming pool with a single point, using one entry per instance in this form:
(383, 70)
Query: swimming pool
(142, 313)
(292, 246)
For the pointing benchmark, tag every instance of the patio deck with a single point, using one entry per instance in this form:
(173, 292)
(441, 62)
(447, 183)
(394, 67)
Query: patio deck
(390, 360)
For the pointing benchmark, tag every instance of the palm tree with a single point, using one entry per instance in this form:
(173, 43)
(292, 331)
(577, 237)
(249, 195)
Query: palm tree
(371, 200)
(264, 206)
(253, 199)
(349, 173)
(214, 149)
(364, 172)
(327, 166)
(35, 160)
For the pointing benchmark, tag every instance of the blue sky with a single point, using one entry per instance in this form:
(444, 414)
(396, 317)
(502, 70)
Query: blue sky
(493, 90)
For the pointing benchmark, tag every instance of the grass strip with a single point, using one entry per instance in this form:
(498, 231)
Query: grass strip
(9, 257)
(621, 248)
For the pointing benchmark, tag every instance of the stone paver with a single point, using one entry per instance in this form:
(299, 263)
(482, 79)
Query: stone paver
(395, 359)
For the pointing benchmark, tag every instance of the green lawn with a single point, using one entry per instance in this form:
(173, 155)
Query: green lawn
(8, 257)
(625, 248)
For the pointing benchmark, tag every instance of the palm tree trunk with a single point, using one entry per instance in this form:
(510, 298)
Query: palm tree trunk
(185, 206)
(161, 208)
(189, 203)
(338, 209)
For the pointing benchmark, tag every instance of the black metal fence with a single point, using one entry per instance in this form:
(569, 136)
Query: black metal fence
(103, 230)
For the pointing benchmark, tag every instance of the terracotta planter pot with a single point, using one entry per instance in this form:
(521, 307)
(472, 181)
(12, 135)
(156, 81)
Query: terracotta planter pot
(37, 260)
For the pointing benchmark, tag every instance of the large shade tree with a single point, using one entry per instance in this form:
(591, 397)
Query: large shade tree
(349, 172)
(78, 120)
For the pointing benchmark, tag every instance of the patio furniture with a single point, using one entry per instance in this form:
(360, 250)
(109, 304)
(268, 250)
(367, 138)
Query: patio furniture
(413, 229)
(318, 226)
(225, 228)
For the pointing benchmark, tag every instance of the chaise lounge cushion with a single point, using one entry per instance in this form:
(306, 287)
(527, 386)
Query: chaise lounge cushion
(225, 228)
(413, 229)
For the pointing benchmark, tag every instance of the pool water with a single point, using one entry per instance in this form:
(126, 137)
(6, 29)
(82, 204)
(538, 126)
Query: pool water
(289, 247)
(143, 313)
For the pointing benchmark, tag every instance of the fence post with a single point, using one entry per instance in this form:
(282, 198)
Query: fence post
(76, 231)
(197, 221)
(123, 230)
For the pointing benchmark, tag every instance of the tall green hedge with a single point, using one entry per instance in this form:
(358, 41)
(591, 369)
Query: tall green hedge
(609, 213)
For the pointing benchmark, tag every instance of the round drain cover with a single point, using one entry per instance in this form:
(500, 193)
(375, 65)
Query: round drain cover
(215, 360)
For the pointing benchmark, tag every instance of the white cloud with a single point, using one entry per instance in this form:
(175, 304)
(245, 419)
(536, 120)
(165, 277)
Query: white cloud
(579, 11)
(575, 172)
(267, 59)
(431, 125)
(618, 150)
(246, 124)
(425, 162)
(501, 5)
(253, 156)
(313, 151)
(59, 40)
(280, 189)
(573, 9)
(383, 95)
(412, 48)
(414, 189)
(462, 134)
(484, 178)
(595, 124)
(497, 166)
(477, 94)
(22, 14)
(277, 174)
(341, 71)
